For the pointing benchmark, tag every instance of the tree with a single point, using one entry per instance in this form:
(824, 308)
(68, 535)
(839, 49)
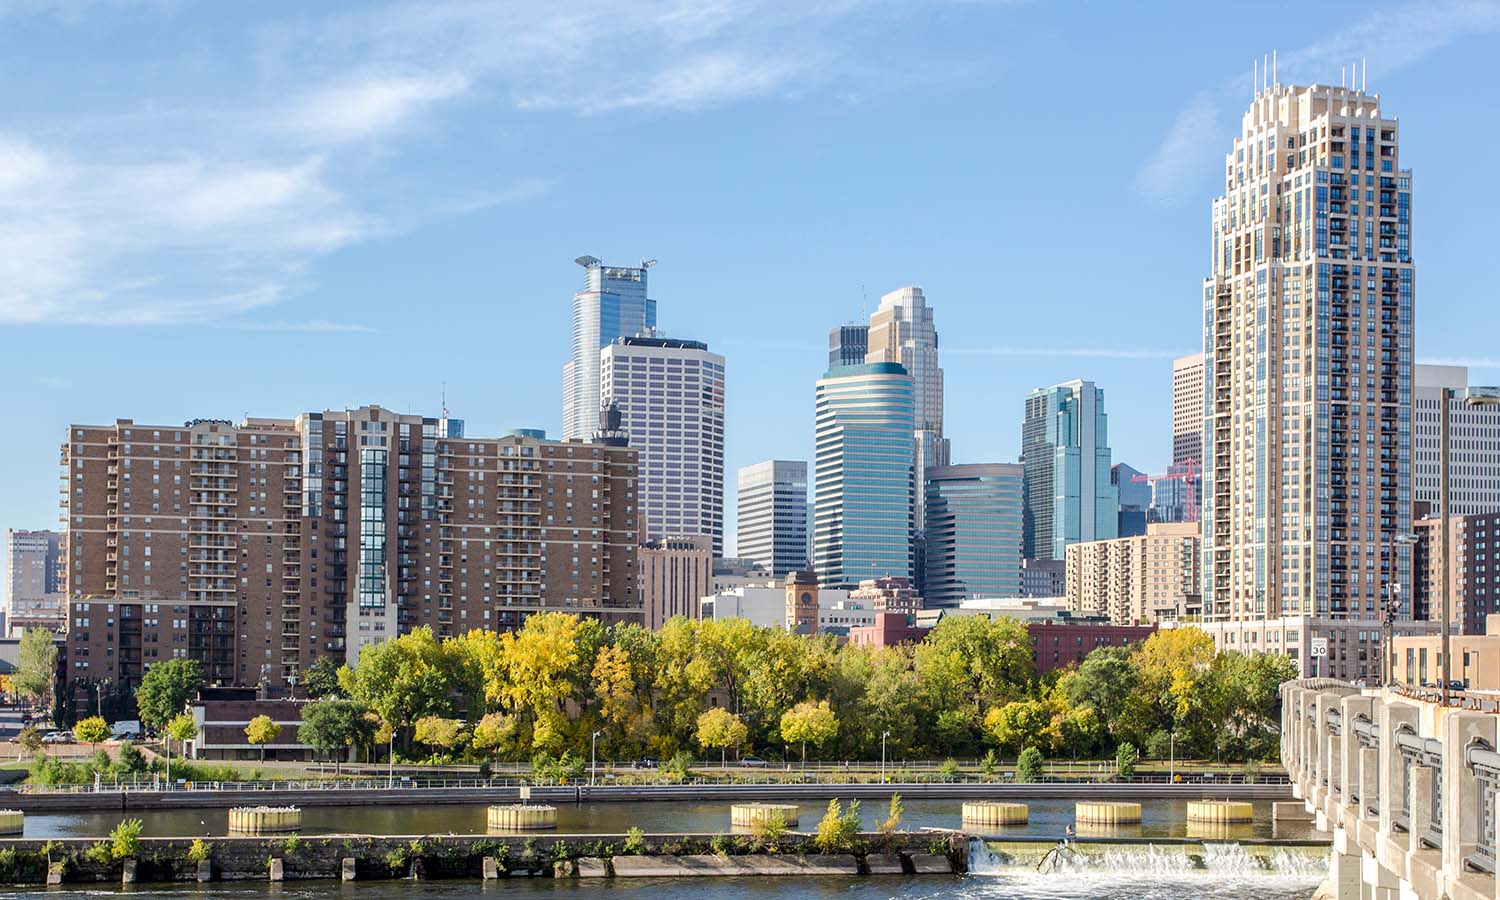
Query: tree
(179, 728)
(809, 723)
(1029, 766)
(261, 731)
(1023, 723)
(1125, 760)
(30, 739)
(839, 829)
(91, 730)
(331, 726)
(36, 666)
(440, 733)
(322, 678)
(401, 679)
(496, 732)
(718, 727)
(968, 665)
(165, 690)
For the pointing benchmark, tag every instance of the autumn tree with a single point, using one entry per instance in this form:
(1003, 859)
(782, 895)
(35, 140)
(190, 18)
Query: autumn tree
(809, 723)
(261, 731)
(91, 730)
(718, 727)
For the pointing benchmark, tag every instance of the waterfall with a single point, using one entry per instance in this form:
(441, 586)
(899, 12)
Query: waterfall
(1226, 860)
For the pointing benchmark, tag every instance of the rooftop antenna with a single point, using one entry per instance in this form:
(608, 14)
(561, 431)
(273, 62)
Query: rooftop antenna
(1265, 70)
(1342, 75)
(1254, 77)
(1274, 82)
(1364, 71)
(445, 399)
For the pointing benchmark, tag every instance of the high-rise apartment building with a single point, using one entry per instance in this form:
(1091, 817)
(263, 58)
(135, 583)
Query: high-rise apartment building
(613, 304)
(973, 533)
(1473, 561)
(1187, 410)
(675, 574)
(670, 394)
(33, 580)
(902, 331)
(864, 508)
(1307, 341)
(1473, 444)
(848, 344)
(1141, 580)
(259, 547)
(771, 516)
(1065, 453)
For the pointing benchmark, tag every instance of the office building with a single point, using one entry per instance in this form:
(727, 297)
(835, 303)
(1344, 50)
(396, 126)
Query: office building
(889, 594)
(1043, 578)
(1065, 453)
(864, 505)
(973, 532)
(1417, 661)
(613, 304)
(258, 547)
(771, 516)
(848, 344)
(675, 575)
(1308, 325)
(670, 394)
(902, 331)
(1174, 498)
(1134, 492)
(34, 596)
(1149, 578)
(1187, 409)
(1473, 571)
(1473, 444)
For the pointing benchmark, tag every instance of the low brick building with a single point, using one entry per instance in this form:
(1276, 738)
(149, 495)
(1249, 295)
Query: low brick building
(222, 715)
(1057, 644)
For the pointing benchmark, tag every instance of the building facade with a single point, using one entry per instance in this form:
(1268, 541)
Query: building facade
(864, 502)
(1187, 410)
(1307, 343)
(889, 594)
(902, 331)
(1473, 444)
(1043, 578)
(771, 515)
(1065, 453)
(973, 532)
(613, 304)
(1473, 562)
(848, 344)
(670, 394)
(1058, 644)
(34, 592)
(675, 575)
(1134, 493)
(261, 546)
(1145, 579)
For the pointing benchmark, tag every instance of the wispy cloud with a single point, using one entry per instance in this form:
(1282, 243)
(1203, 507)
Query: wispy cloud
(369, 105)
(1089, 352)
(1394, 38)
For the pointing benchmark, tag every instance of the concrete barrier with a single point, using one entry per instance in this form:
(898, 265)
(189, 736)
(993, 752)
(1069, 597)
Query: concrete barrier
(265, 819)
(1099, 813)
(994, 813)
(751, 815)
(1226, 811)
(522, 817)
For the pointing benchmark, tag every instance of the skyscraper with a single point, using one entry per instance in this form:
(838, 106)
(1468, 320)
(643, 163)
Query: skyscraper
(613, 304)
(902, 331)
(1187, 410)
(864, 508)
(847, 344)
(1473, 444)
(1134, 495)
(33, 580)
(670, 395)
(1065, 453)
(973, 532)
(1307, 338)
(771, 515)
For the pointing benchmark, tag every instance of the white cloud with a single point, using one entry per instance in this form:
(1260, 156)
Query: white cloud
(1187, 143)
(370, 105)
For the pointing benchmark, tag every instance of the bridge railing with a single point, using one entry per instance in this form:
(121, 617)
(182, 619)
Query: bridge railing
(1484, 763)
(1419, 751)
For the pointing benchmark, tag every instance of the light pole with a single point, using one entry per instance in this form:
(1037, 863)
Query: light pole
(593, 766)
(1172, 757)
(1474, 396)
(1392, 609)
(883, 736)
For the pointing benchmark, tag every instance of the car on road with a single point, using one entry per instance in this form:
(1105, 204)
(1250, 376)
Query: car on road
(753, 762)
(58, 737)
(1456, 686)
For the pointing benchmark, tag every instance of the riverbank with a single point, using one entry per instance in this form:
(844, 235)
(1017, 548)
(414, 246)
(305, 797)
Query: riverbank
(332, 794)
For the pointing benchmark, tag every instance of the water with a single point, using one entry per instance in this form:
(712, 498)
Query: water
(1049, 818)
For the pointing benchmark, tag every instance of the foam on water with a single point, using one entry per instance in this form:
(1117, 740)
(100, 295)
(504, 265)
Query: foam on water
(1218, 860)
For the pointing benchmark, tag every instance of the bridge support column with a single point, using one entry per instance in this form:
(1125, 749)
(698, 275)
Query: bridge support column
(1369, 779)
(1380, 883)
(1344, 875)
(1461, 799)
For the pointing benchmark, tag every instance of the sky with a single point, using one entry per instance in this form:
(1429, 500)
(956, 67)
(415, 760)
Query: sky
(212, 209)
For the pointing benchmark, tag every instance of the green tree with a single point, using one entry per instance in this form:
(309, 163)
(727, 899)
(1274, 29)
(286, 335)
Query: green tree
(1029, 766)
(809, 723)
(718, 727)
(402, 679)
(331, 726)
(30, 739)
(442, 734)
(322, 678)
(165, 690)
(261, 731)
(1126, 759)
(496, 733)
(180, 728)
(968, 665)
(91, 730)
(36, 666)
(1021, 723)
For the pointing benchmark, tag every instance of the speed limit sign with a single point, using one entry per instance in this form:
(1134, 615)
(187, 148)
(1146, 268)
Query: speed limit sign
(1319, 647)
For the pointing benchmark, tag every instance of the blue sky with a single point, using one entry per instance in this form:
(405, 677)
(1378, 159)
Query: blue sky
(214, 209)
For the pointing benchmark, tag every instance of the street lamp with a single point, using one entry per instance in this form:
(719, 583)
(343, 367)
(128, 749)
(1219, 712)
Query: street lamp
(1474, 396)
(593, 766)
(883, 736)
(1171, 757)
(1392, 609)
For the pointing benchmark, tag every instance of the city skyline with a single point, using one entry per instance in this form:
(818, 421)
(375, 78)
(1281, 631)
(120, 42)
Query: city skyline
(471, 263)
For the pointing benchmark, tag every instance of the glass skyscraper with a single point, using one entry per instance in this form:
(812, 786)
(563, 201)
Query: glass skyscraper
(613, 304)
(864, 498)
(973, 532)
(1065, 452)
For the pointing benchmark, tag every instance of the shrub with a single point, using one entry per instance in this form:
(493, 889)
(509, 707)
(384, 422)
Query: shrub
(718, 846)
(635, 842)
(199, 851)
(132, 761)
(125, 840)
(1029, 766)
(8, 861)
(893, 817)
(771, 828)
(839, 829)
(679, 768)
(99, 854)
(1125, 760)
(949, 769)
(989, 763)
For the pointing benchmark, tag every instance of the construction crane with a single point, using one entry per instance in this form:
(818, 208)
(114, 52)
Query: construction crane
(1187, 473)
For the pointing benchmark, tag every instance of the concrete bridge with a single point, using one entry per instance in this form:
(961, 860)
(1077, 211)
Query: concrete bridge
(1407, 788)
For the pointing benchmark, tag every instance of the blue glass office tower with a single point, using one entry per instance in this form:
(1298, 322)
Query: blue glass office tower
(864, 502)
(613, 304)
(1065, 453)
(973, 532)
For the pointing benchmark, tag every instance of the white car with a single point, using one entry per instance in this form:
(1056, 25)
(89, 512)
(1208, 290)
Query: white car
(58, 737)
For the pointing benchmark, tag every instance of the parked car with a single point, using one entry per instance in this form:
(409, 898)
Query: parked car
(753, 762)
(58, 737)
(1456, 686)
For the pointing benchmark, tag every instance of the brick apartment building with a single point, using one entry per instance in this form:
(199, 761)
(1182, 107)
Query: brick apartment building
(260, 546)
